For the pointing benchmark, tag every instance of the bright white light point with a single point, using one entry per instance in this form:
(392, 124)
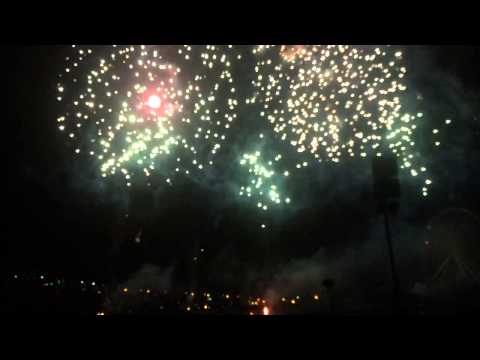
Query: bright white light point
(154, 102)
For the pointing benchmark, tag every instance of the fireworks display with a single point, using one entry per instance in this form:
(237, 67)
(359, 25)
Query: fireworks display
(140, 110)
(167, 110)
(335, 101)
(257, 180)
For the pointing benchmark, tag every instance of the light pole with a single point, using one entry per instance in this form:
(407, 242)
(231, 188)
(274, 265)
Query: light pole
(395, 279)
(387, 191)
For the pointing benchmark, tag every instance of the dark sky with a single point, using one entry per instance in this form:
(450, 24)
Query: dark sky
(54, 225)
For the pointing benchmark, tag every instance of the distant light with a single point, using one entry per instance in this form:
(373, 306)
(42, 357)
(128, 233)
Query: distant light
(266, 311)
(316, 297)
(125, 290)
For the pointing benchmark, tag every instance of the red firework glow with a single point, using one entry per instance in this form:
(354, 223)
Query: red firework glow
(154, 102)
(161, 100)
(158, 104)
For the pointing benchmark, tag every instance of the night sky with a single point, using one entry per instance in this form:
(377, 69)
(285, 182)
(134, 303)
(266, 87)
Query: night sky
(60, 220)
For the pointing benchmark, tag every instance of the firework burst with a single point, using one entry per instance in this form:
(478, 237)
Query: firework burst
(144, 110)
(265, 183)
(331, 102)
